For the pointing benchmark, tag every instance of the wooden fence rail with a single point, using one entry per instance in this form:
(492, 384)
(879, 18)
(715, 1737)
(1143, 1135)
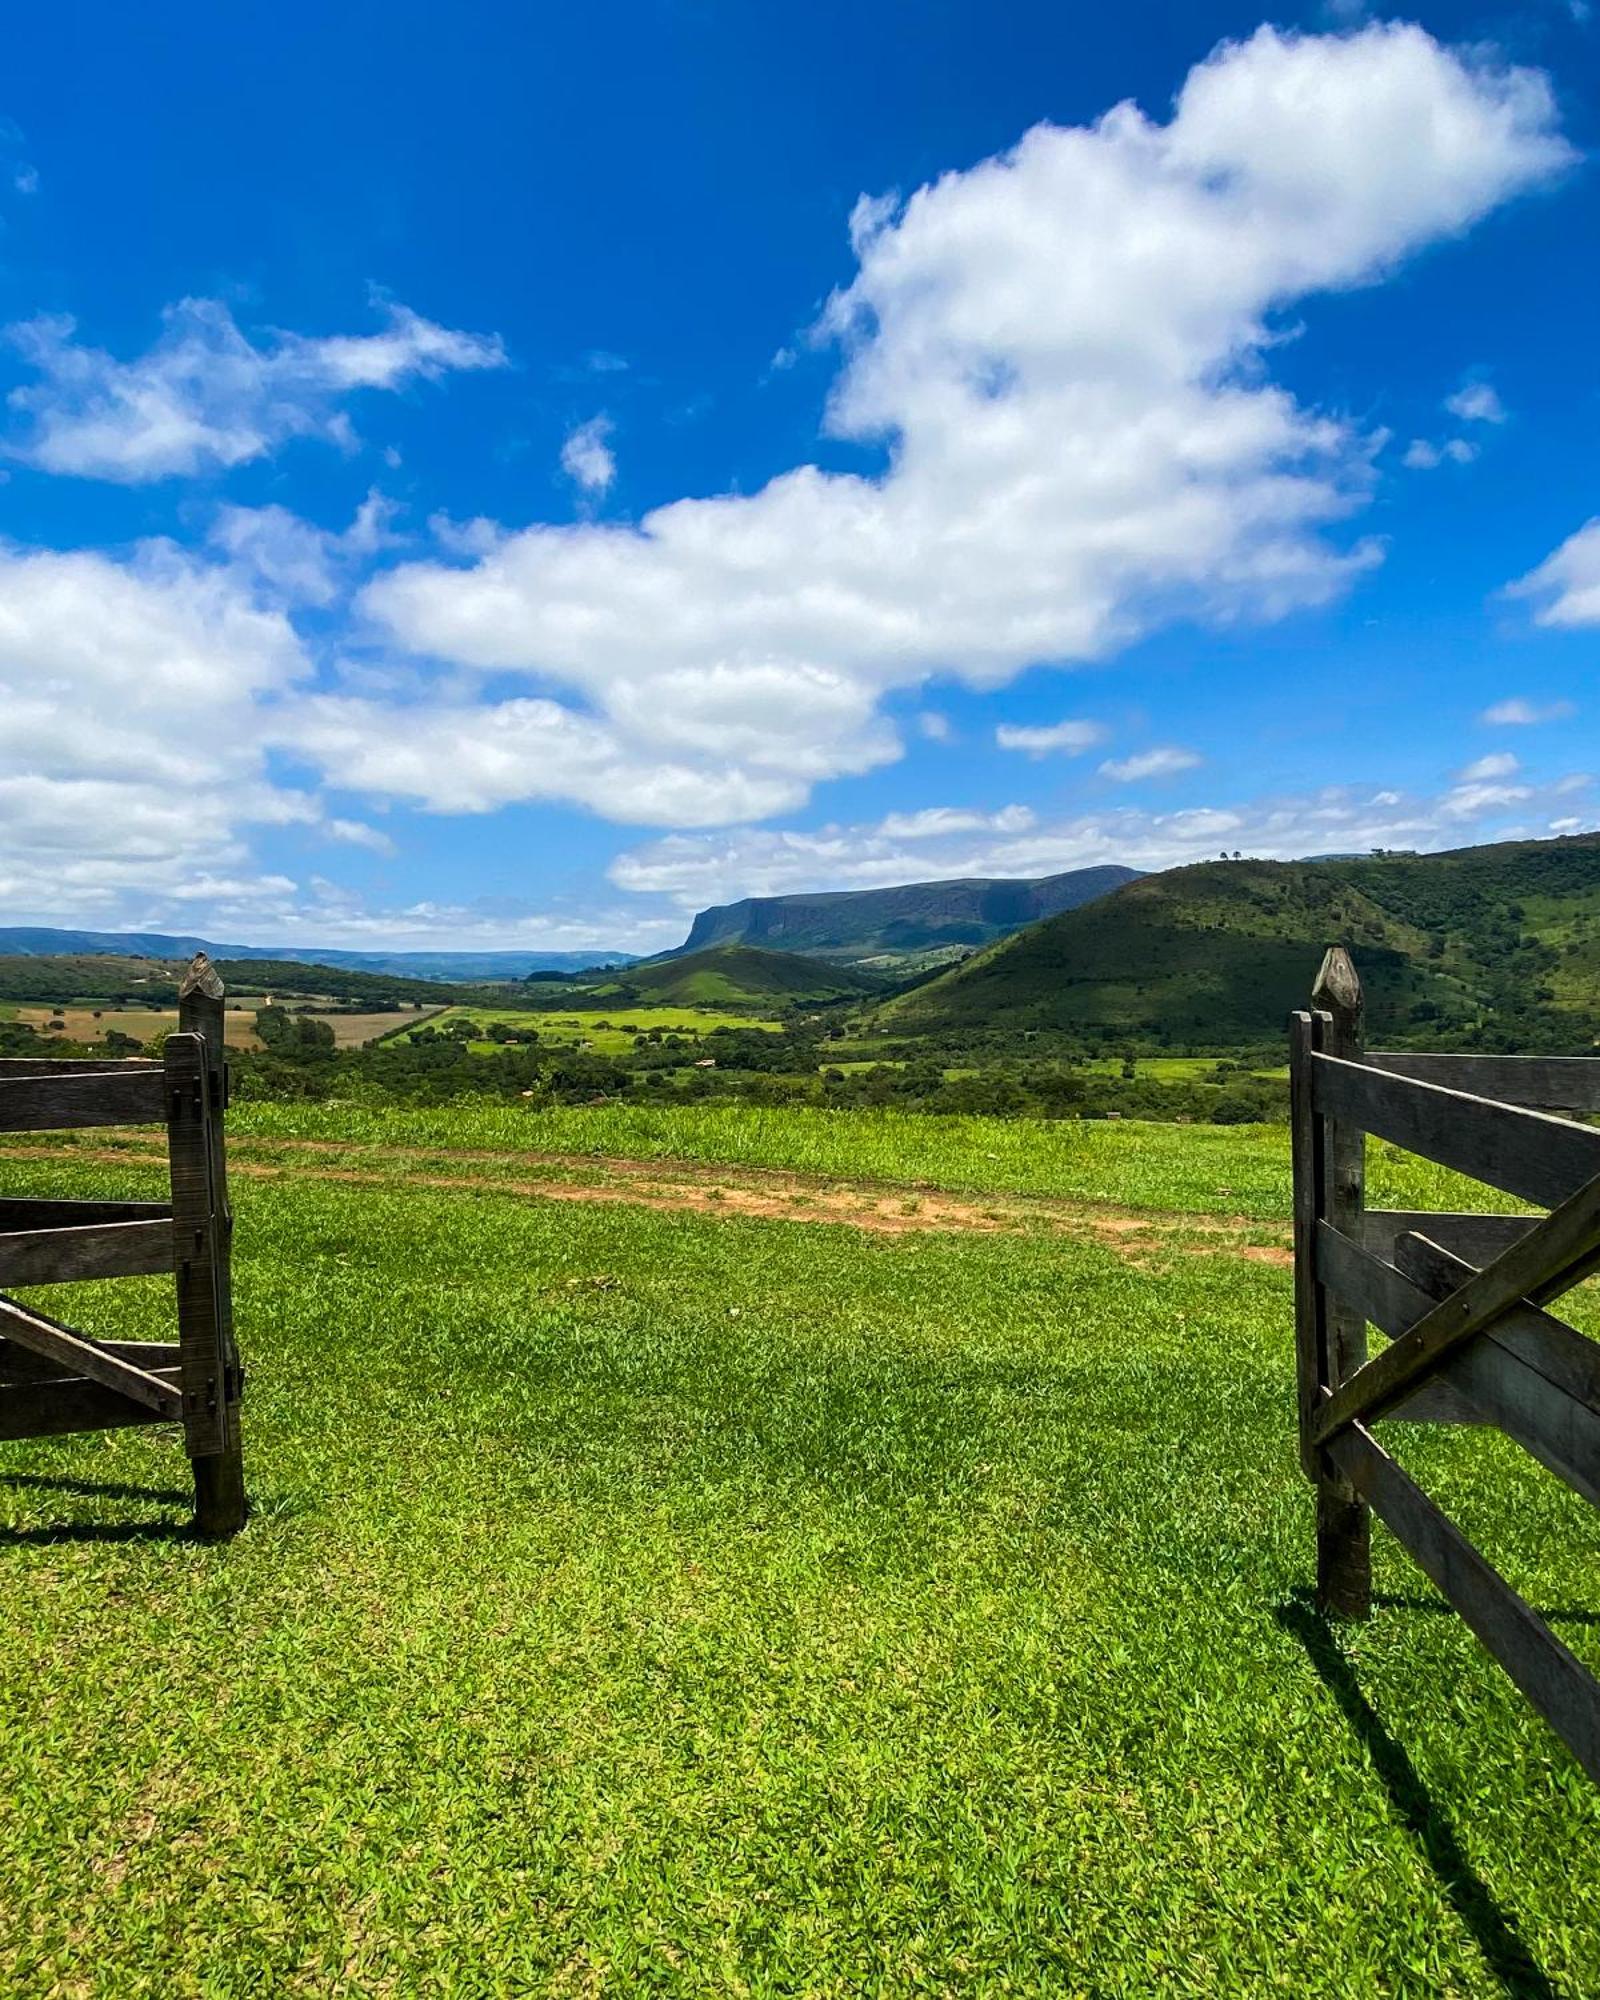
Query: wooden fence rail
(1461, 1297)
(55, 1380)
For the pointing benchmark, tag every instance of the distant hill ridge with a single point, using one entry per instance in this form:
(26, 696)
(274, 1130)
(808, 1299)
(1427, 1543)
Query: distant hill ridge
(1494, 947)
(903, 922)
(38, 942)
(740, 977)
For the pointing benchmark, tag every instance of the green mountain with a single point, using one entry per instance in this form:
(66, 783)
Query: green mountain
(896, 927)
(731, 976)
(1490, 947)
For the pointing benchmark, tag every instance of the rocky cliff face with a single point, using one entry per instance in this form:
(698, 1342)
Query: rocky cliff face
(914, 917)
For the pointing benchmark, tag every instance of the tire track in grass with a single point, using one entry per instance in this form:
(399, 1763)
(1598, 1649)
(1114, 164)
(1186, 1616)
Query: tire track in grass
(877, 1207)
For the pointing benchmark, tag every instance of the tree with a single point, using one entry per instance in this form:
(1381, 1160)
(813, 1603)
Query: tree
(274, 1026)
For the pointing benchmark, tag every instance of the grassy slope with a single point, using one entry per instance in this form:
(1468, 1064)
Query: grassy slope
(654, 1603)
(1222, 950)
(1219, 947)
(733, 976)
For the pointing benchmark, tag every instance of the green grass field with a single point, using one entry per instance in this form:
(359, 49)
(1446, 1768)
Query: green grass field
(1195, 1169)
(616, 1037)
(1173, 1069)
(672, 1602)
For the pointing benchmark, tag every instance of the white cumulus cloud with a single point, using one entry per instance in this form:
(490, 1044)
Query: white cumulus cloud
(131, 703)
(1058, 362)
(1062, 354)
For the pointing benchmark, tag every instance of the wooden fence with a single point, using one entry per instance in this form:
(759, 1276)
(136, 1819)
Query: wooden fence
(1461, 1298)
(55, 1380)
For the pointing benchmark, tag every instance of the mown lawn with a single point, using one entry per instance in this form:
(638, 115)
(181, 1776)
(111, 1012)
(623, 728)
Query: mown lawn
(655, 1602)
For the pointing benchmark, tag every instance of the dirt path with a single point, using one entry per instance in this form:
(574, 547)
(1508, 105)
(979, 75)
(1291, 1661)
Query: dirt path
(882, 1208)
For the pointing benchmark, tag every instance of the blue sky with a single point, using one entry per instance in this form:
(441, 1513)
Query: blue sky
(511, 476)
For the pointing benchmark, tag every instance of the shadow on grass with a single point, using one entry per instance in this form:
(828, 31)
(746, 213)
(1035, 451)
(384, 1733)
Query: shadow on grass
(96, 1489)
(96, 1531)
(1508, 1958)
(1552, 1614)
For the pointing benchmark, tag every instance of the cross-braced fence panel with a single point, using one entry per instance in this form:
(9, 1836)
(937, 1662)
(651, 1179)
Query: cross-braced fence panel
(54, 1379)
(1463, 1299)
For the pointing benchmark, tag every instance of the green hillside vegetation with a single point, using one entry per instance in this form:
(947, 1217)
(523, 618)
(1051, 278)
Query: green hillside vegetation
(154, 981)
(1494, 948)
(75, 977)
(739, 977)
(295, 976)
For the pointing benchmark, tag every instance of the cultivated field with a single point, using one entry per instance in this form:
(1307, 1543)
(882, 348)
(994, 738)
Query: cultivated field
(608, 1034)
(94, 1020)
(91, 1023)
(720, 1550)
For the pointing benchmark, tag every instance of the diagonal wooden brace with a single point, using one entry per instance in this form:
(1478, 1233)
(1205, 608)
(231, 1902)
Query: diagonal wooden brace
(1552, 1257)
(84, 1357)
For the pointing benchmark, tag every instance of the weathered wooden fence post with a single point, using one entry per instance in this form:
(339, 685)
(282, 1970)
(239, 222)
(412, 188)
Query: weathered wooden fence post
(1344, 1524)
(1330, 1335)
(202, 1225)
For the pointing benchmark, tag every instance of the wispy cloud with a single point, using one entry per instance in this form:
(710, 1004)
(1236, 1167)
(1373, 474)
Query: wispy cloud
(587, 458)
(206, 396)
(1072, 737)
(356, 833)
(295, 561)
(23, 174)
(1165, 761)
(941, 822)
(1565, 588)
(1476, 403)
(1518, 713)
(1423, 456)
(1498, 764)
(696, 869)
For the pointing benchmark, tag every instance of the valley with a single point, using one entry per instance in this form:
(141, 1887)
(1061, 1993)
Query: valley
(1160, 997)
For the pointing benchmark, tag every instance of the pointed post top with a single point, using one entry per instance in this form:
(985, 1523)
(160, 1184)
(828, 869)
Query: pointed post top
(202, 977)
(1338, 992)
